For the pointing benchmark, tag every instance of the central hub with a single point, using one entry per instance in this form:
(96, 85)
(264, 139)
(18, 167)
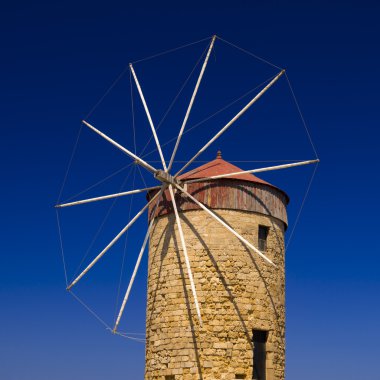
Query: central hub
(164, 177)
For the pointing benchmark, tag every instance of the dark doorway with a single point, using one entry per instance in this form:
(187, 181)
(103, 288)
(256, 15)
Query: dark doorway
(259, 339)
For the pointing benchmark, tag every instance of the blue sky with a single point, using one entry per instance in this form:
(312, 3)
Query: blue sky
(59, 59)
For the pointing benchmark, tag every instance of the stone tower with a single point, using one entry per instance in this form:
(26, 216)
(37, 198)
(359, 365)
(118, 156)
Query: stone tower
(241, 296)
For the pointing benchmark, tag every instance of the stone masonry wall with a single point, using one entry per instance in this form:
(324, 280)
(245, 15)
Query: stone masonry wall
(237, 292)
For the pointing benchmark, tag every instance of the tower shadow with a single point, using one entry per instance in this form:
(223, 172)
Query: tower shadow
(188, 308)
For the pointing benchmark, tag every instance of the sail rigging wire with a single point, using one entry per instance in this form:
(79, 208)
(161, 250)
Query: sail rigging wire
(105, 324)
(69, 163)
(301, 207)
(171, 50)
(131, 333)
(123, 335)
(249, 53)
(113, 84)
(142, 177)
(90, 310)
(301, 115)
(61, 247)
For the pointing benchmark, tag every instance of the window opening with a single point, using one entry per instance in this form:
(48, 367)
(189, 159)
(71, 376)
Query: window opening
(259, 339)
(263, 236)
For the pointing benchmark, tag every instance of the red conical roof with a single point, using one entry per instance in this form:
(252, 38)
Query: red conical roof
(220, 166)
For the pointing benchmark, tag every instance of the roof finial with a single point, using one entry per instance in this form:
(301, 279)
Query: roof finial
(219, 154)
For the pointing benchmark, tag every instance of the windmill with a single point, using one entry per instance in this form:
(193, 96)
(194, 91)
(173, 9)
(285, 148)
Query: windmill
(216, 200)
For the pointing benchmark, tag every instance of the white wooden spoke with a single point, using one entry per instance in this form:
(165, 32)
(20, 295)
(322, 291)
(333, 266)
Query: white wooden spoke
(184, 249)
(236, 117)
(191, 102)
(114, 240)
(129, 153)
(269, 168)
(212, 214)
(110, 196)
(149, 117)
(142, 250)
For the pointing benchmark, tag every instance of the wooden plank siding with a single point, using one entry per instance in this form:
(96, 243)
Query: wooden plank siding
(228, 194)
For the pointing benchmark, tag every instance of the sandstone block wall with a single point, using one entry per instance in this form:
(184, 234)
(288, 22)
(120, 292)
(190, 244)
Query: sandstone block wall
(237, 292)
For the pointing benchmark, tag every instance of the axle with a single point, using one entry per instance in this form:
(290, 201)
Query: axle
(165, 177)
